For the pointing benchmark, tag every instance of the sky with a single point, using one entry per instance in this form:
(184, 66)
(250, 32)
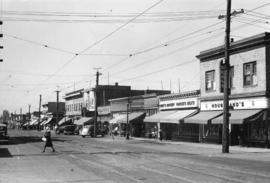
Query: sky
(146, 44)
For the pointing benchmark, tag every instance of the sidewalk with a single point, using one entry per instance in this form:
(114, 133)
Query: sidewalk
(201, 149)
(194, 144)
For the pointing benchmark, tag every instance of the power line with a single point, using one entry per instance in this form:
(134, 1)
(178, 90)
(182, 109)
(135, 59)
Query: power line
(62, 50)
(165, 44)
(9, 19)
(102, 39)
(161, 70)
(12, 72)
(164, 55)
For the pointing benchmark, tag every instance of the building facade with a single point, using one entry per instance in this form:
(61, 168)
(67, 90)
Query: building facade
(168, 121)
(249, 81)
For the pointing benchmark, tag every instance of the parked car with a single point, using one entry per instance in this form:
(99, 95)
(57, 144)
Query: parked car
(78, 130)
(3, 131)
(65, 129)
(88, 130)
(69, 129)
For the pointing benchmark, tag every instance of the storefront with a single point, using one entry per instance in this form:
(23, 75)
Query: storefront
(248, 122)
(173, 109)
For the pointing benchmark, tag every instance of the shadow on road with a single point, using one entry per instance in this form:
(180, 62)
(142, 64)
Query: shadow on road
(4, 153)
(28, 139)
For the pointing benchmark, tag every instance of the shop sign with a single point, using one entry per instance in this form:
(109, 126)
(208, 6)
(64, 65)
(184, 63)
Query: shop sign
(250, 103)
(104, 110)
(178, 103)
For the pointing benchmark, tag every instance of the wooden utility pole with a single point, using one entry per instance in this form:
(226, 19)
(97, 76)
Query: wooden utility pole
(21, 115)
(96, 95)
(179, 86)
(226, 113)
(225, 132)
(39, 109)
(128, 129)
(57, 106)
(29, 107)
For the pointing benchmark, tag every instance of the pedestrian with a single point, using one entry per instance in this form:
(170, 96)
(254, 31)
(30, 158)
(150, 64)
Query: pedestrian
(48, 142)
(160, 135)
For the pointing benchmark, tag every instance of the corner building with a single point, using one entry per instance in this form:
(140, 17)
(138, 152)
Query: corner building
(249, 81)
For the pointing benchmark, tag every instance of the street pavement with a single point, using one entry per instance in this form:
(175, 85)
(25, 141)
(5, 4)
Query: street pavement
(116, 159)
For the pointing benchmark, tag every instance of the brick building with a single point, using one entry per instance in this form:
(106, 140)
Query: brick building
(250, 88)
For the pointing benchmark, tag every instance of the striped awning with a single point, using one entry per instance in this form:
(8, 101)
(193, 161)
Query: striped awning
(158, 117)
(203, 117)
(239, 116)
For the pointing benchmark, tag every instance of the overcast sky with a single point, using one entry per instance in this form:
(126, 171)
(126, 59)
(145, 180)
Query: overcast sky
(147, 44)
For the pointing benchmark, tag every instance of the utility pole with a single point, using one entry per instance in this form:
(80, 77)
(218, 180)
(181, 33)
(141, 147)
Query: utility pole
(39, 109)
(96, 95)
(128, 129)
(1, 36)
(226, 113)
(21, 114)
(179, 86)
(29, 107)
(57, 105)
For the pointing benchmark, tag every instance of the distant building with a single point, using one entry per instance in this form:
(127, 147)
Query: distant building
(82, 102)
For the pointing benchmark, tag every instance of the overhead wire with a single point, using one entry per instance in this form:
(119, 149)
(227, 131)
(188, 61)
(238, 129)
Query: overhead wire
(160, 70)
(177, 65)
(166, 54)
(165, 44)
(102, 39)
(59, 49)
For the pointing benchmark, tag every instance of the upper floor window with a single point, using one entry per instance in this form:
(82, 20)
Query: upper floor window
(222, 78)
(210, 80)
(250, 74)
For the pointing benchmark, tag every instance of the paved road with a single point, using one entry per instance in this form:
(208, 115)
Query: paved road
(106, 160)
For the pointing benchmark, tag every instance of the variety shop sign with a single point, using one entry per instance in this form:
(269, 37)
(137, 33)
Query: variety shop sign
(178, 103)
(249, 103)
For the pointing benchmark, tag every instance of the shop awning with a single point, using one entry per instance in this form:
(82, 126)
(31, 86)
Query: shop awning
(33, 122)
(177, 116)
(82, 120)
(156, 118)
(26, 124)
(117, 118)
(105, 118)
(43, 122)
(239, 116)
(64, 120)
(132, 116)
(203, 117)
(47, 121)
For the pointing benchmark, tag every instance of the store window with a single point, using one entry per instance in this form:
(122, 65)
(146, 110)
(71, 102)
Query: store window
(250, 74)
(210, 80)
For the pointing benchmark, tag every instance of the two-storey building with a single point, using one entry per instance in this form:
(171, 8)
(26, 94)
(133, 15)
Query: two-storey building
(249, 81)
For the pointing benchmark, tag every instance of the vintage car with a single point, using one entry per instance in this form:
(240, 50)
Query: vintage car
(3, 131)
(88, 130)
